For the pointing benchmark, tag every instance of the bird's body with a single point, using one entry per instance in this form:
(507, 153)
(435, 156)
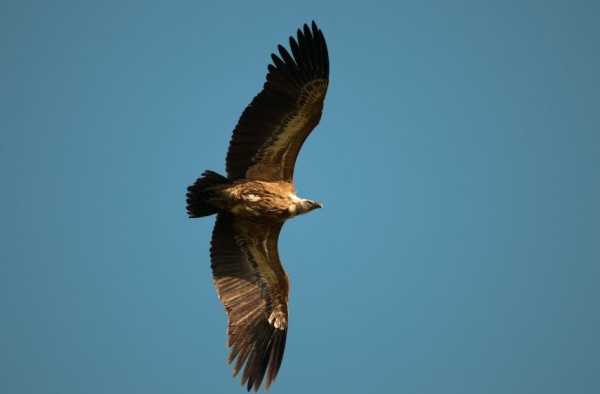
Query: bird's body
(258, 201)
(254, 200)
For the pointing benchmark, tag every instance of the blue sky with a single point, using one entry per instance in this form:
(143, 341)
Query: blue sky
(457, 159)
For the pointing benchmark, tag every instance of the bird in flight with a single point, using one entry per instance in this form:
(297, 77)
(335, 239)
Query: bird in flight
(254, 200)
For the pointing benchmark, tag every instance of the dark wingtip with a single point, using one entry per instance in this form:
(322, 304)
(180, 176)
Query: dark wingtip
(263, 358)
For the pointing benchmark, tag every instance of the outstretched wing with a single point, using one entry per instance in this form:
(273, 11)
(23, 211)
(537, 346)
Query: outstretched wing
(254, 289)
(272, 129)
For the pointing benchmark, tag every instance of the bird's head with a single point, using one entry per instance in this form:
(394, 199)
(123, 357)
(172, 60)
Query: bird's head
(305, 206)
(313, 205)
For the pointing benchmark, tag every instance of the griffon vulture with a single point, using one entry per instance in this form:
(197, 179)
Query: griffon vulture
(254, 200)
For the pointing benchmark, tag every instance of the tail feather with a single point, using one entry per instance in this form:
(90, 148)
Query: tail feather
(197, 195)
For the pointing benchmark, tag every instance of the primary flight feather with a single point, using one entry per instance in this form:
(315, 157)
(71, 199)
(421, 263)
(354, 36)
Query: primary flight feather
(254, 200)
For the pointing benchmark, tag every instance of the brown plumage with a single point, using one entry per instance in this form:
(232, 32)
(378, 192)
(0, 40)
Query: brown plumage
(254, 201)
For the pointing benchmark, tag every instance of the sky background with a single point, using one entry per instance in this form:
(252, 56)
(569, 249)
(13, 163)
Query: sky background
(458, 159)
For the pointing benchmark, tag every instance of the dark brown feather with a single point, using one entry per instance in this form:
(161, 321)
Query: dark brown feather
(273, 128)
(250, 286)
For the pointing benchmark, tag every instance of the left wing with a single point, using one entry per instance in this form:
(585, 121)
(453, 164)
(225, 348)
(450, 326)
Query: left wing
(254, 289)
(272, 129)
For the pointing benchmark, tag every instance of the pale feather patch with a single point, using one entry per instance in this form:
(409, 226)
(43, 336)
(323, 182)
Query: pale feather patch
(278, 318)
(294, 198)
(253, 198)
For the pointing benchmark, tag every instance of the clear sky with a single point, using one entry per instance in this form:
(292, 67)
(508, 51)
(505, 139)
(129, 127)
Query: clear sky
(458, 159)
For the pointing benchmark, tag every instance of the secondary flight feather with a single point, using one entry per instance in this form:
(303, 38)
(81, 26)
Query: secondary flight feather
(254, 200)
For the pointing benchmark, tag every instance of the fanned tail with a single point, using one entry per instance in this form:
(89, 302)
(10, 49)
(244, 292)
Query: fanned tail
(199, 193)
